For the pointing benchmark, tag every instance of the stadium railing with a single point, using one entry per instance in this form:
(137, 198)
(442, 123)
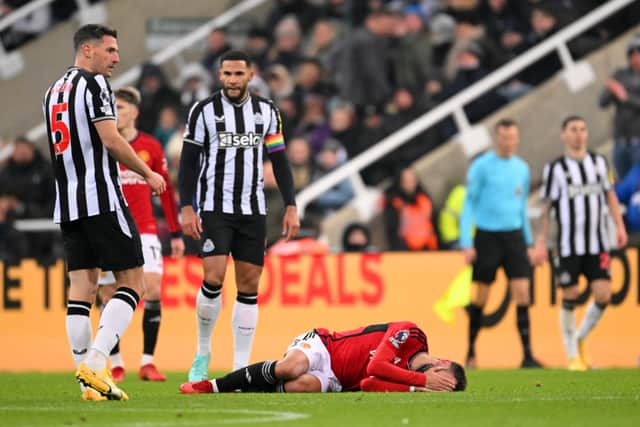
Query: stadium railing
(474, 138)
(12, 63)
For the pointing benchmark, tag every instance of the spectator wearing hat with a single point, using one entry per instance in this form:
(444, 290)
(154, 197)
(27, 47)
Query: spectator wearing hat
(623, 91)
(257, 47)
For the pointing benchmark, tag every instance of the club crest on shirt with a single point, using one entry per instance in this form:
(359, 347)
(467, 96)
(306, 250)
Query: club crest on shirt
(518, 191)
(258, 119)
(144, 155)
(208, 246)
(399, 338)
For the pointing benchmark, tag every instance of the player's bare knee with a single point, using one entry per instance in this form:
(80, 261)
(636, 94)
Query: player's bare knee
(570, 292)
(294, 364)
(304, 384)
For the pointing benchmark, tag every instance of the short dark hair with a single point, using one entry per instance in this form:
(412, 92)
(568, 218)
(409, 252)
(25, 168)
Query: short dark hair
(505, 123)
(571, 118)
(236, 55)
(459, 374)
(91, 32)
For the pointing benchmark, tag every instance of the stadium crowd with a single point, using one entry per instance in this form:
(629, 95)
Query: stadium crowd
(344, 75)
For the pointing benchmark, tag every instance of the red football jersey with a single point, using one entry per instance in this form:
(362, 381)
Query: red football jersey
(382, 350)
(138, 193)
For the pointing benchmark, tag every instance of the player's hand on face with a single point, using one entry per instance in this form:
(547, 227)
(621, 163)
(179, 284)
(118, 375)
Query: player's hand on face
(156, 182)
(177, 247)
(469, 255)
(191, 225)
(439, 380)
(290, 223)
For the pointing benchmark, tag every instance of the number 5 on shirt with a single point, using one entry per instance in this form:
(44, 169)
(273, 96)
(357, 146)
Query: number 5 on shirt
(57, 125)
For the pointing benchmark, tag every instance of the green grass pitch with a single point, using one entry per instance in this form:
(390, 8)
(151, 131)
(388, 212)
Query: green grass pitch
(494, 398)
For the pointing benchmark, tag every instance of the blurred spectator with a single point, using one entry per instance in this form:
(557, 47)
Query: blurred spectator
(364, 76)
(288, 38)
(372, 129)
(26, 184)
(216, 46)
(168, 125)
(442, 30)
(280, 82)
(449, 218)
(356, 238)
(310, 78)
(275, 213)
(411, 51)
(257, 47)
(623, 90)
(324, 44)
(194, 84)
(470, 70)
(314, 123)
(327, 160)
(543, 25)
(404, 109)
(27, 28)
(505, 25)
(156, 94)
(13, 244)
(342, 121)
(628, 192)
(304, 11)
(301, 161)
(408, 215)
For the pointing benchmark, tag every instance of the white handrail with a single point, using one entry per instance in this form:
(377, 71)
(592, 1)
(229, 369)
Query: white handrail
(22, 12)
(454, 104)
(175, 48)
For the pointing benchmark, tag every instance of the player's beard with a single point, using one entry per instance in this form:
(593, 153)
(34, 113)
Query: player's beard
(236, 99)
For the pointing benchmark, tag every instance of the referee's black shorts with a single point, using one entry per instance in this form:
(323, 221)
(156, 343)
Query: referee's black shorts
(242, 236)
(494, 249)
(108, 241)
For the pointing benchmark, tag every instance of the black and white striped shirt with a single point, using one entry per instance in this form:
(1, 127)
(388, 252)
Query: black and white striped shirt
(577, 190)
(233, 138)
(87, 177)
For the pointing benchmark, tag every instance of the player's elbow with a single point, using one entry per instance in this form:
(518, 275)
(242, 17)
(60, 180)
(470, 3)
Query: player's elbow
(367, 384)
(375, 369)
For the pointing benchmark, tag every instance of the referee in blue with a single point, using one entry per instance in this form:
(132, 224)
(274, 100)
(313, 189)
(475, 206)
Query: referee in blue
(496, 204)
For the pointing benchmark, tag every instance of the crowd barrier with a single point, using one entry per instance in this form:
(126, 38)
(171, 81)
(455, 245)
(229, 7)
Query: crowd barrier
(341, 291)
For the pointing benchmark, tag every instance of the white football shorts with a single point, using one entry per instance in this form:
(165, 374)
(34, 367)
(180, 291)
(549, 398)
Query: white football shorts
(319, 360)
(152, 253)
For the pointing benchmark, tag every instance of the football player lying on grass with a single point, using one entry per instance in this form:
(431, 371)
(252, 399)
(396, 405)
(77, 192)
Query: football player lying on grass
(386, 357)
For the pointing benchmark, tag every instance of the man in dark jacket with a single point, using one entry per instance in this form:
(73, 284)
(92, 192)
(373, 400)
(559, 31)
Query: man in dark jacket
(27, 185)
(623, 90)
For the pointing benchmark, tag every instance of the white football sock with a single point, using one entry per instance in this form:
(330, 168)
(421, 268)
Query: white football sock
(146, 359)
(591, 317)
(114, 321)
(243, 323)
(567, 325)
(207, 311)
(79, 335)
(116, 360)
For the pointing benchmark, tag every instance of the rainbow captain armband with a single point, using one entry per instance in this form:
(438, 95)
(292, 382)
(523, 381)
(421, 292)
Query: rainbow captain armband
(275, 142)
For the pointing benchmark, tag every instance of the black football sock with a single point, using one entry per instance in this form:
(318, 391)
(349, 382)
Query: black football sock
(151, 325)
(258, 377)
(475, 323)
(523, 329)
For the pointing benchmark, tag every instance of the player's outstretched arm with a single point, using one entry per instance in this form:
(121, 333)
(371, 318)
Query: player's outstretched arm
(373, 384)
(121, 150)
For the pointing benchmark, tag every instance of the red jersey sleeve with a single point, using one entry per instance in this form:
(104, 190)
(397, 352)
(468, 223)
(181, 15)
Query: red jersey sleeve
(373, 384)
(401, 337)
(168, 198)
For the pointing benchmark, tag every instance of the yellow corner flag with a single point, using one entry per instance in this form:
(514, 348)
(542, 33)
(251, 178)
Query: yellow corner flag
(458, 295)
